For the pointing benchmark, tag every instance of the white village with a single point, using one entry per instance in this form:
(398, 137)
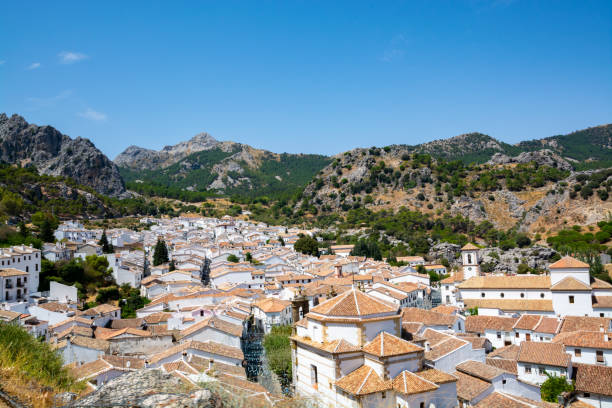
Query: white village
(362, 333)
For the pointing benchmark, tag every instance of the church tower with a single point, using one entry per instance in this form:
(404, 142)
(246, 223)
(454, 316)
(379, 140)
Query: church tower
(470, 261)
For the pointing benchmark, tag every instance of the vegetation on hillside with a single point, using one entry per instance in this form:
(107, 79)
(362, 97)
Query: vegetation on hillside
(188, 179)
(29, 369)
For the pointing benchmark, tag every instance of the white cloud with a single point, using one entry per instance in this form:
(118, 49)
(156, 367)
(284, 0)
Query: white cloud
(93, 115)
(68, 57)
(46, 102)
(34, 65)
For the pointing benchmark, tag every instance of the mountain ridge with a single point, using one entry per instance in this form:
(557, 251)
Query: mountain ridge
(56, 154)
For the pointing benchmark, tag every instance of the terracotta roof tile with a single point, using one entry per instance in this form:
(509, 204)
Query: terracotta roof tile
(469, 387)
(508, 352)
(272, 305)
(575, 323)
(409, 383)
(502, 400)
(504, 364)
(470, 247)
(333, 347)
(353, 303)
(595, 379)
(363, 381)
(552, 354)
(427, 317)
(530, 305)
(478, 324)
(507, 282)
(602, 302)
(480, 370)
(386, 345)
(585, 339)
(570, 283)
(567, 262)
(436, 376)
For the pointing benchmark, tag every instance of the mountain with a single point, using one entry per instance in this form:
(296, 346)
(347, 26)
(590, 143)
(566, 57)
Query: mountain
(203, 166)
(535, 186)
(139, 158)
(56, 154)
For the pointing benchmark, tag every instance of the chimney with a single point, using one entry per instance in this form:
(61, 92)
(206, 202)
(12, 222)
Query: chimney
(211, 362)
(146, 364)
(338, 271)
(601, 328)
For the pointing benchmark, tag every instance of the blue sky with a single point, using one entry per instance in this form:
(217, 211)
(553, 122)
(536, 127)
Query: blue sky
(307, 76)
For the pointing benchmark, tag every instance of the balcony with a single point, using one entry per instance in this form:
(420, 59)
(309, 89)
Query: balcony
(20, 284)
(8, 285)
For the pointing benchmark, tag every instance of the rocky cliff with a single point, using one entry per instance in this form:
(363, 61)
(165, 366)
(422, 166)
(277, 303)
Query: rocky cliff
(56, 154)
(139, 158)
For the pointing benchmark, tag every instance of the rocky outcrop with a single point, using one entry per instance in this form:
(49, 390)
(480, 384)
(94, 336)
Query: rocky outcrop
(469, 208)
(56, 154)
(148, 388)
(498, 261)
(139, 158)
(544, 157)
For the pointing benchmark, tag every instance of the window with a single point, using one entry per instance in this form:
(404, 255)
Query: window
(469, 259)
(542, 295)
(601, 315)
(384, 394)
(36, 267)
(27, 269)
(600, 357)
(527, 369)
(499, 335)
(586, 395)
(517, 335)
(577, 352)
(482, 294)
(502, 294)
(314, 378)
(522, 295)
(541, 370)
(446, 285)
(504, 382)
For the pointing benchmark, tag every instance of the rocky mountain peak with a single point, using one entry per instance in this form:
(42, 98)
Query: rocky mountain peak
(56, 154)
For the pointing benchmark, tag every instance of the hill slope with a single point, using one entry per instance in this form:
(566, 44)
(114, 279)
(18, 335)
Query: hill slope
(204, 166)
(56, 154)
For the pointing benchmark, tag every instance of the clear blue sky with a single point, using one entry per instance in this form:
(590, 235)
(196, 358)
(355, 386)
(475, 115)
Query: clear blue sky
(306, 76)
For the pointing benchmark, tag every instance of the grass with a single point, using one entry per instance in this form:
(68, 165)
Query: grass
(30, 370)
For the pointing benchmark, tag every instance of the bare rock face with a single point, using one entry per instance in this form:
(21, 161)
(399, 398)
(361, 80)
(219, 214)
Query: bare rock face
(469, 208)
(56, 154)
(147, 388)
(500, 261)
(139, 158)
(545, 157)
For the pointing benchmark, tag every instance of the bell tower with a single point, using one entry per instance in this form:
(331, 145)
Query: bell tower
(470, 261)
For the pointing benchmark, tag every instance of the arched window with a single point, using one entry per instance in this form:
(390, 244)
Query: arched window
(469, 258)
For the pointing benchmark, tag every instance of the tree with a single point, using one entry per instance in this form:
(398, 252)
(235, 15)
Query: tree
(553, 387)
(523, 241)
(282, 241)
(171, 267)
(46, 231)
(107, 247)
(307, 245)
(160, 253)
(369, 249)
(249, 257)
(232, 258)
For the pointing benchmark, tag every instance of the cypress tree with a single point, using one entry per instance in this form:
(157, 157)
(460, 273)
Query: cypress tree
(160, 254)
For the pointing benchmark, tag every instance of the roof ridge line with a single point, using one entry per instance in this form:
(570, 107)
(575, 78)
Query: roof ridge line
(365, 379)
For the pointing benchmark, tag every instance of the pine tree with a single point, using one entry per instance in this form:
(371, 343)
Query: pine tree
(160, 254)
(171, 267)
(107, 247)
(46, 231)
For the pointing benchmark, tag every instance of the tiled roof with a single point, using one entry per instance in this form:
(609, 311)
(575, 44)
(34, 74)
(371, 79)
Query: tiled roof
(507, 282)
(530, 305)
(334, 347)
(446, 309)
(214, 323)
(599, 284)
(503, 400)
(272, 305)
(479, 370)
(570, 283)
(88, 342)
(436, 376)
(567, 262)
(595, 379)
(504, 364)
(527, 322)
(363, 381)
(470, 247)
(135, 323)
(469, 387)
(584, 339)
(602, 302)
(179, 366)
(387, 345)
(478, 324)
(551, 354)
(509, 352)
(409, 383)
(8, 272)
(353, 303)
(87, 370)
(575, 323)
(428, 317)
(56, 307)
